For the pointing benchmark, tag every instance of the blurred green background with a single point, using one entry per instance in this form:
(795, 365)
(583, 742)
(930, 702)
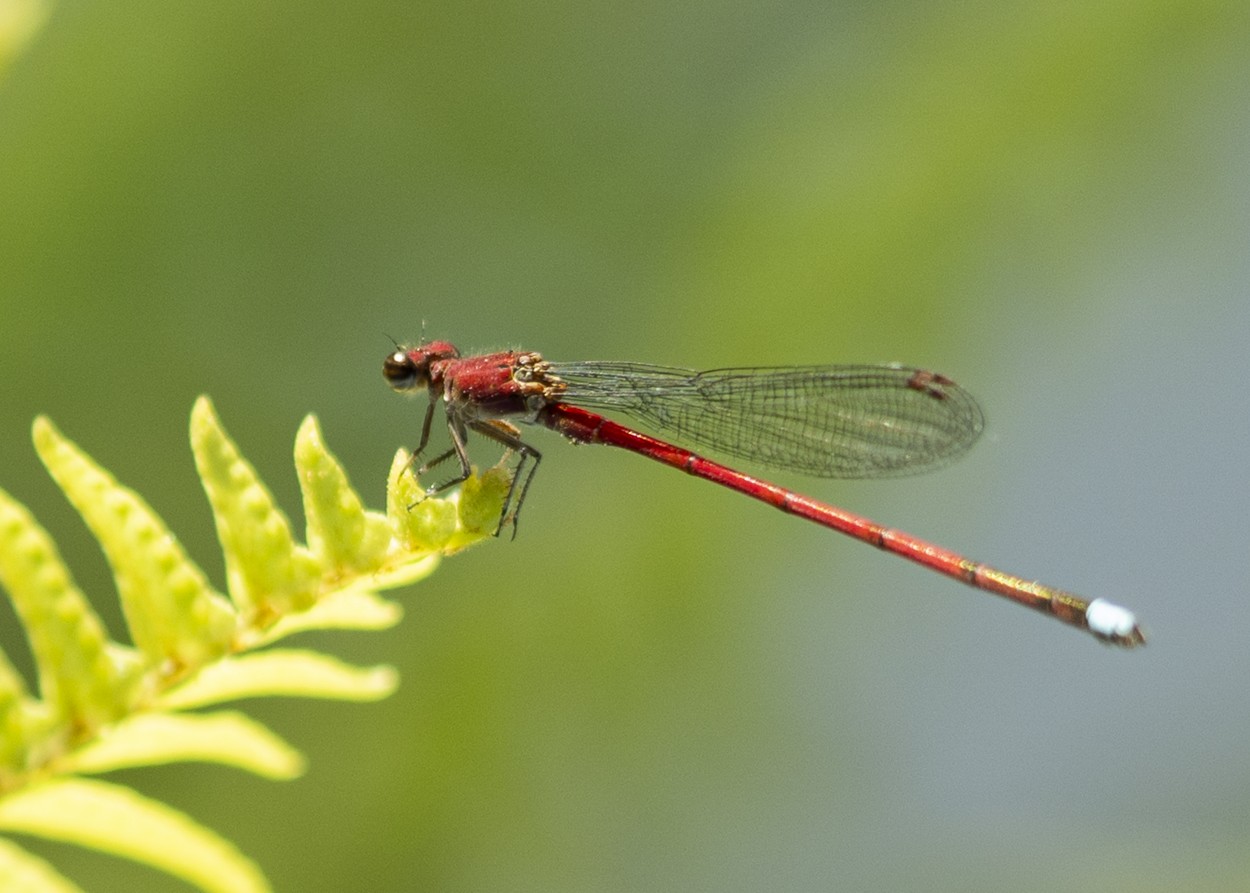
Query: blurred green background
(659, 685)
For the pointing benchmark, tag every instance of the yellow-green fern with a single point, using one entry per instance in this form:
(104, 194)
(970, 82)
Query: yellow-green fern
(103, 705)
(19, 20)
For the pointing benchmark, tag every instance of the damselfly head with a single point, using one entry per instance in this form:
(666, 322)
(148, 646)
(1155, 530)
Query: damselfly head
(402, 373)
(408, 368)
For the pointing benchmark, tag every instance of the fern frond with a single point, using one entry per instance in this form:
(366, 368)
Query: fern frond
(23, 872)
(118, 820)
(307, 674)
(19, 22)
(173, 614)
(103, 705)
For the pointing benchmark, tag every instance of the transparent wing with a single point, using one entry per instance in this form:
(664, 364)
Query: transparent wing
(825, 421)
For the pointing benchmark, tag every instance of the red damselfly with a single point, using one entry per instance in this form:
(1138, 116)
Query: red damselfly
(825, 421)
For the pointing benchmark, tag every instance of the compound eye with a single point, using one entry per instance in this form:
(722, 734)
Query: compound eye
(400, 371)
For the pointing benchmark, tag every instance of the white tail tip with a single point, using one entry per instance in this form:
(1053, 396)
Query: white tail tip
(1108, 620)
